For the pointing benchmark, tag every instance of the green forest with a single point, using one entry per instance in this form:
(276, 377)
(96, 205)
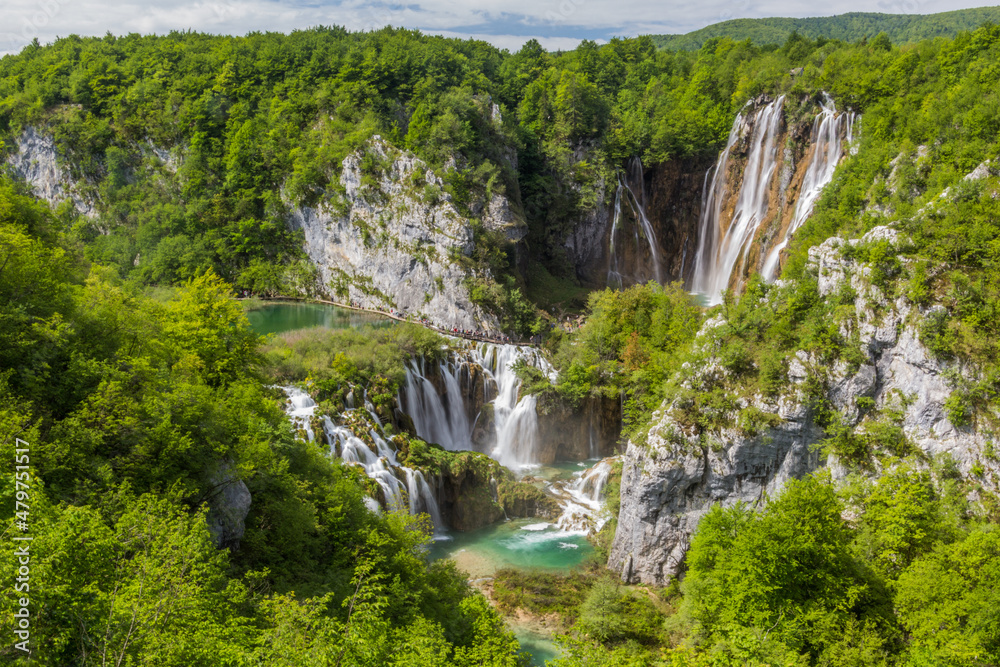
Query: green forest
(850, 27)
(141, 387)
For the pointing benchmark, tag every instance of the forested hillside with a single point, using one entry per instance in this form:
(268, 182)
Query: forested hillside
(851, 27)
(172, 168)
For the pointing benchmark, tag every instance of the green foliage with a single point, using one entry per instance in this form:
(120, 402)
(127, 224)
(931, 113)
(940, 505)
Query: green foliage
(850, 27)
(630, 342)
(138, 410)
(335, 358)
(947, 602)
(613, 615)
(541, 593)
(786, 571)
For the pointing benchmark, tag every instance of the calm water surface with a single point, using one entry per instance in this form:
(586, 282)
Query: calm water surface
(279, 317)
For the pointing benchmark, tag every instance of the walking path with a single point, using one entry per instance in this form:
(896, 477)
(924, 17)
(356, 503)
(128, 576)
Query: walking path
(395, 315)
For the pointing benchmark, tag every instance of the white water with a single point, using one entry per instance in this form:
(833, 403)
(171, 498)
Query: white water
(403, 488)
(829, 132)
(443, 419)
(638, 207)
(582, 499)
(440, 421)
(719, 249)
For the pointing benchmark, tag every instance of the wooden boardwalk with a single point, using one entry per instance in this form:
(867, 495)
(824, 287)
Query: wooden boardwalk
(481, 338)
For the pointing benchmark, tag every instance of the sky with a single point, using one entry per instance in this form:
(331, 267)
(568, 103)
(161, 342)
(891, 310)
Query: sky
(557, 24)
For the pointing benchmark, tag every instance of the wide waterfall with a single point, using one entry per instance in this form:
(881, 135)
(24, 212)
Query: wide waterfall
(442, 418)
(637, 205)
(723, 243)
(829, 132)
(402, 488)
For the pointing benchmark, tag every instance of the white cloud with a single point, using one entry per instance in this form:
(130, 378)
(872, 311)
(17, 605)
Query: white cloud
(557, 24)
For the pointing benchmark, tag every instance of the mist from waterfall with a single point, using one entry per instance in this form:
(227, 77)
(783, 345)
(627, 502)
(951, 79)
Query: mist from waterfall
(720, 248)
(829, 133)
(636, 204)
(402, 488)
(442, 418)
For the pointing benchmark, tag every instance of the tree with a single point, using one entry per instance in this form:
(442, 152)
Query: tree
(786, 573)
(949, 601)
(205, 324)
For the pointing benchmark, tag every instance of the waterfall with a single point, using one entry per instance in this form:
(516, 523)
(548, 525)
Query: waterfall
(403, 488)
(441, 422)
(721, 247)
(421, 497)
(581, 499)
(638, 207)
(443, 419)
(828, 147)
(591, 483)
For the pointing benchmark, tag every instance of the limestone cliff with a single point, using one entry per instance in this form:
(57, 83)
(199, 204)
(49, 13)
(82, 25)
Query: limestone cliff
(670, 481)
(396, 240)
(669, 194)
(38, 163)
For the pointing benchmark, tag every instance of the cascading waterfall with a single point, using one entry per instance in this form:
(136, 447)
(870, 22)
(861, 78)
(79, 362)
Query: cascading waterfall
(638, 207)
(581, 499)
(403, 488)
(720, 248)
(829, 132)
(443, 420)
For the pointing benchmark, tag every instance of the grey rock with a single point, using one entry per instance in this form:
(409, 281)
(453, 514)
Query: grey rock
(666, 489)
(392, 247)
(669, 484)
(228, 507)
(498, 215)
(586, 245)
(37, 163)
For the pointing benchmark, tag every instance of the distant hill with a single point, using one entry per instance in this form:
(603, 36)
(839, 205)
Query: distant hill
(901, 28)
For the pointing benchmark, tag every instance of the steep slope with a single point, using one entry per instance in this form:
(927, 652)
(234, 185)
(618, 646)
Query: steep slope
(884, 397)
(393, 245)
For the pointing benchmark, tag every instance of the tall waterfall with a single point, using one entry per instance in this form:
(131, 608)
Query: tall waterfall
(723, 243)
(436, 420)
(402, 488)
(441, 418)
(636, 204)
(830, 129)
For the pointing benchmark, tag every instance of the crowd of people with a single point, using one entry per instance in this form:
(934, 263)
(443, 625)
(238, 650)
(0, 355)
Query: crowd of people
(478, 335)
(474, 334)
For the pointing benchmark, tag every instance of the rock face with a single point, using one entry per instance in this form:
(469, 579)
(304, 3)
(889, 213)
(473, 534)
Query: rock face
(228, 506)
(670, 193)
(37, 162)
(666, 488)
(467, 492)
(399, 242)
(587, 245)
(523, 500)
(592, 431)
(675, 189)
(672, 480)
